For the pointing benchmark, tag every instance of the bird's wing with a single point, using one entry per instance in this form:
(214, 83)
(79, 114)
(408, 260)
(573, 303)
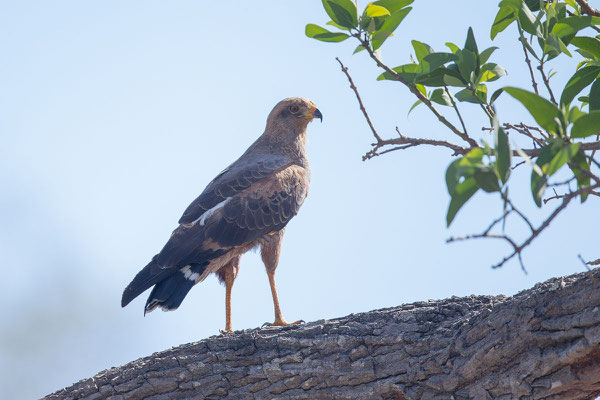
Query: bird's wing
(232, 180)
(265, 206)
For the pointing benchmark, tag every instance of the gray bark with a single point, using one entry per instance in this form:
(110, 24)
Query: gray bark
(540, 343)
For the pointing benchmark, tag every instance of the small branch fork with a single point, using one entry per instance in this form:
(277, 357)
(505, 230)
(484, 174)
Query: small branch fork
(518, 248)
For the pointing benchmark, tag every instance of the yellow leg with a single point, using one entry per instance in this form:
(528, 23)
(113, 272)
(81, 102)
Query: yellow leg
(279, 321)
(229, 278)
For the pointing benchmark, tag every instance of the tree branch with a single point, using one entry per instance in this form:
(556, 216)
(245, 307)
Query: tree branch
(527, 60)
(546, 82)
(587, 9)
(541, 343)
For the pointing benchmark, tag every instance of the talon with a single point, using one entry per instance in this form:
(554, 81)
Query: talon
(282, 323)
(226, 331)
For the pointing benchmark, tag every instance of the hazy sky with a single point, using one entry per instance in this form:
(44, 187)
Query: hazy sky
(116, 114)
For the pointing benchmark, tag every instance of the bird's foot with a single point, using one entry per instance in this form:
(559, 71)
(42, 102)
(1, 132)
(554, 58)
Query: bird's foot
(282, 322)
(226, 331)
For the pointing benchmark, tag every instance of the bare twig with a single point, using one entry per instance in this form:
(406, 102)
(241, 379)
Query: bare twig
(546, 82)
(456, 109)
(360, 103)
(527, 60)
(404, 142)
(487, 112)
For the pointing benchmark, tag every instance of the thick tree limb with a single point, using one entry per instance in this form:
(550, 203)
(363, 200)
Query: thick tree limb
(541, 343)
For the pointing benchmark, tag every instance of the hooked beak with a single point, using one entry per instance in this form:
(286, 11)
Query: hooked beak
(317, 114)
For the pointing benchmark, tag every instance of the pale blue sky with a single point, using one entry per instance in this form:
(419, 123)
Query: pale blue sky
(116, 114)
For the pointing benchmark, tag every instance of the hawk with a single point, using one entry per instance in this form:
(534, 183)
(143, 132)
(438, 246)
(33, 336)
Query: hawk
(247, 205)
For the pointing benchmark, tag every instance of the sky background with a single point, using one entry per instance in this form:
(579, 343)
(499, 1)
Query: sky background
(116, 114)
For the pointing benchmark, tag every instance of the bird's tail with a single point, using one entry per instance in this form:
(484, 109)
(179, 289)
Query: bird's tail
(170, 292)
(150, 275)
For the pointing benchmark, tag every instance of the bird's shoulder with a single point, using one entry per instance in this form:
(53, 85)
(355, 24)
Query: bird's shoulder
(237, 177)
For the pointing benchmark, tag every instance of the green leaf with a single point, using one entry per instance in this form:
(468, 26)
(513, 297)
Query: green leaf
(540, 181)
(470, 43)
(393, 5)
(414, 105)
(464, 192)
(421, 49)
(467, 65)
(358, 49)
(373, 10)
(579, 81)
(579, 164)
(490, 72)
(466, 95)
(331, 23)
(407, 72)
(486, 178)
(586, 125)
(463, 167)
(495, 95)
(342, 12)
(503, 154)
(594, 97)
(322, 34)
(545, 113)
(435, 60)
(564, 155)
(441, 97)
(575, 113)
(572, 25)
(505, 17)
(589, 44)
(391, 23)
(485, 55)
(441, 76)
(528, 21)
(453, 48)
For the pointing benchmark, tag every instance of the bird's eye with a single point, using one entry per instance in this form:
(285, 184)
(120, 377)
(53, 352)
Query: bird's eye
(293, 109)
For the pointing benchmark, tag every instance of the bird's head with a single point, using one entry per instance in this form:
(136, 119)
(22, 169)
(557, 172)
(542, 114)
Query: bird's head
(293, 113)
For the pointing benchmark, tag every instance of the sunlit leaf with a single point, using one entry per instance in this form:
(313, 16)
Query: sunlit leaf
(393, 5)
(374, 10)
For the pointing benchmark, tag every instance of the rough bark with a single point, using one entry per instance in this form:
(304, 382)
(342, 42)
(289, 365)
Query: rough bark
(540, 343)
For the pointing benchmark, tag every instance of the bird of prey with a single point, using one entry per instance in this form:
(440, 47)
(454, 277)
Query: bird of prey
(247, 205)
